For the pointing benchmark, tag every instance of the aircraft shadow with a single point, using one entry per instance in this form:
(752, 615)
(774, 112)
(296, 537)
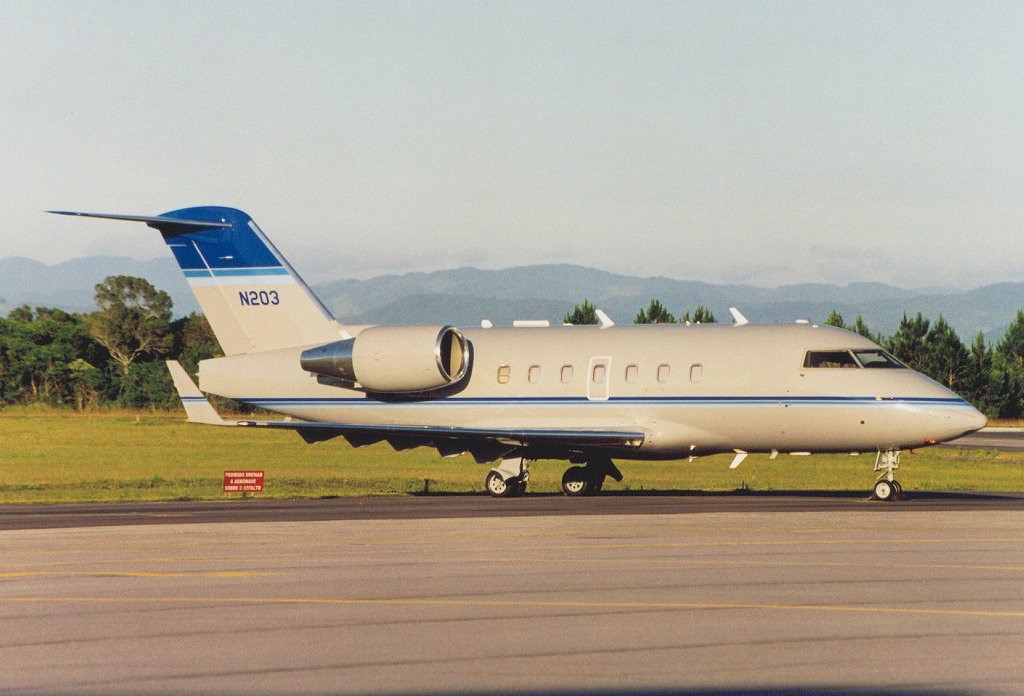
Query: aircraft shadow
(775, 691)
(749, 494)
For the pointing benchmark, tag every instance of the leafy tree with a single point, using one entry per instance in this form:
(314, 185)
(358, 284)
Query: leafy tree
(148, 385)
(859, 327)
(86, 383)
(1007, 376)
(835, 319)
(194, 340)
(36, 352)
(980, 389)
(908, 343)
(945, 359)
(134, 320)
(701, 315)
(1011, 345)
(584, 313)
(654, 314)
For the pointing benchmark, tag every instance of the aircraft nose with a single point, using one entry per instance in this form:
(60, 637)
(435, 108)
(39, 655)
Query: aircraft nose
(974, 420)
(961, 420)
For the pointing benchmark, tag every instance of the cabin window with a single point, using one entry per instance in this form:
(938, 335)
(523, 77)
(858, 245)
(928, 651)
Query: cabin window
(664, 371)
(534, 374)
(829, 358)
(504, 373)
(696, 372)
(566, 374)
(599, 373)
(631, 373)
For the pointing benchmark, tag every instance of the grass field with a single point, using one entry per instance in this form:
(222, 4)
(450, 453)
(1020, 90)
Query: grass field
(60, 456)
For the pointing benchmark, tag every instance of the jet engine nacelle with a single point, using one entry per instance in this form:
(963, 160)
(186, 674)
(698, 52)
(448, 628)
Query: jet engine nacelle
(394, 359)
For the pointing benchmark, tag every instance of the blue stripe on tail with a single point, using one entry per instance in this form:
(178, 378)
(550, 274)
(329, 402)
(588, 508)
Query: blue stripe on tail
(237, 249)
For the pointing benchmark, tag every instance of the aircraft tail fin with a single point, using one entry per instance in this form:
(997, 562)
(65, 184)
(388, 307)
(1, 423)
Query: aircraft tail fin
(253, 299)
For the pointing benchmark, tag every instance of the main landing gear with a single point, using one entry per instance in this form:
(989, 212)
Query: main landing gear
(589, 479)
(886, 486)
(509, 478)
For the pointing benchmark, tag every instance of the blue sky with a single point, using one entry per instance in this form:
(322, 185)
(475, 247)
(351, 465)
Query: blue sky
(755, 142)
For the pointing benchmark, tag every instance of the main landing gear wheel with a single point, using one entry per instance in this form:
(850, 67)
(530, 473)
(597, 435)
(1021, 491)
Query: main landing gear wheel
(589, 479)
(576, 482)
(499, 487)
(508, 479)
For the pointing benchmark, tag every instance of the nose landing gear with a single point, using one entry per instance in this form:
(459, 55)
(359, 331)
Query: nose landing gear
(886, 486)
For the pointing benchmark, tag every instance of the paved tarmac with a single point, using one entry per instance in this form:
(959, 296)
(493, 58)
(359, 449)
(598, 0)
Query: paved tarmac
(482, 506)
(1003, 439)
(670, 594)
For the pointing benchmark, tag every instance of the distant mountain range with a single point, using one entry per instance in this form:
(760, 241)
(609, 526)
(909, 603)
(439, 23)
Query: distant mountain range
(465, 296)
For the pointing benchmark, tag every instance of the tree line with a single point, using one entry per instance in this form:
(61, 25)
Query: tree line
(111, 357)
(114, 357)
(989, 376)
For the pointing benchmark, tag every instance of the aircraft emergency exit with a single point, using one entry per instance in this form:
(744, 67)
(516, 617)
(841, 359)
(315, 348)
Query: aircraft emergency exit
(584, 394)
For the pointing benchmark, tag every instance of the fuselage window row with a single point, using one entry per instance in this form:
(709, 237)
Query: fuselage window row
(632, 371)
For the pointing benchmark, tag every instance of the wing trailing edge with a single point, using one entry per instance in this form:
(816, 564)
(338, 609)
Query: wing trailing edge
(485, 444)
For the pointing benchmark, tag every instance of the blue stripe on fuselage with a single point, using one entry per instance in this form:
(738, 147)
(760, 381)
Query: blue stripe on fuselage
(683, 401)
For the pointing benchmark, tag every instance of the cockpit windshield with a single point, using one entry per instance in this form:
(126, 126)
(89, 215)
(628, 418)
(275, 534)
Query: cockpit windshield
(876, 358)
(859, 358)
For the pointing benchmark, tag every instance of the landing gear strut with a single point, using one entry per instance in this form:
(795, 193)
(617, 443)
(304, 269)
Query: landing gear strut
(886, 486)
(508, 478)
(589, 479)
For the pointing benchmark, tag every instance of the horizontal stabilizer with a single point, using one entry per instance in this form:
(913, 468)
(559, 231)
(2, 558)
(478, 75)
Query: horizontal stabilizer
(159, 223)
(197, 408)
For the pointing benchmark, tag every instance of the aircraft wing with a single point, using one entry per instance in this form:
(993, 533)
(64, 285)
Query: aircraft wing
(485, 444)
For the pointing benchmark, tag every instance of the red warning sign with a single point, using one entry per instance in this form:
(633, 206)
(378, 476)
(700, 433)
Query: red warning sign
(243, 481)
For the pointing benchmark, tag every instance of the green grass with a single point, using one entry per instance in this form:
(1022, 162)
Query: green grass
(59, 456)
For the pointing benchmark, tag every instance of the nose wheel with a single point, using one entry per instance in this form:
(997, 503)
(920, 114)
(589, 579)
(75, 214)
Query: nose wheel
(886, 486)
(888, 490)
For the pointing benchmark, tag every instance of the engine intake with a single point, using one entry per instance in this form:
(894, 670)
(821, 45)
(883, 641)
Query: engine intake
(394, 359)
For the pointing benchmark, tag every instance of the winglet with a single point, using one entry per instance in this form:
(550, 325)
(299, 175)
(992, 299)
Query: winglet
(738, 317)
(605, 320)
(740, 456)
(198, 409)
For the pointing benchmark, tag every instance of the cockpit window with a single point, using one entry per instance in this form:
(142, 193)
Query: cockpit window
(876, 358)
(829, 358)
(870, 357)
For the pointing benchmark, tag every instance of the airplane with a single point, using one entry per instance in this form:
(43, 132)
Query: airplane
(584, 394)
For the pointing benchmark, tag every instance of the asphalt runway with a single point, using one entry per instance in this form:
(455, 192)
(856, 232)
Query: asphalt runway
(1004, 439)
(619, 594)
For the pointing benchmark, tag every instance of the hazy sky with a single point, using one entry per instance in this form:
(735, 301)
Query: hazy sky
(755, 142)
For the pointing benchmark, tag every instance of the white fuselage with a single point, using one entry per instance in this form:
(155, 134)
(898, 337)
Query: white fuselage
(693, 390)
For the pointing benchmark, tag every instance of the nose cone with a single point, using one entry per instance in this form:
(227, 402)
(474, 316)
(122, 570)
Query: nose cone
(973, 420)
(956, 420)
